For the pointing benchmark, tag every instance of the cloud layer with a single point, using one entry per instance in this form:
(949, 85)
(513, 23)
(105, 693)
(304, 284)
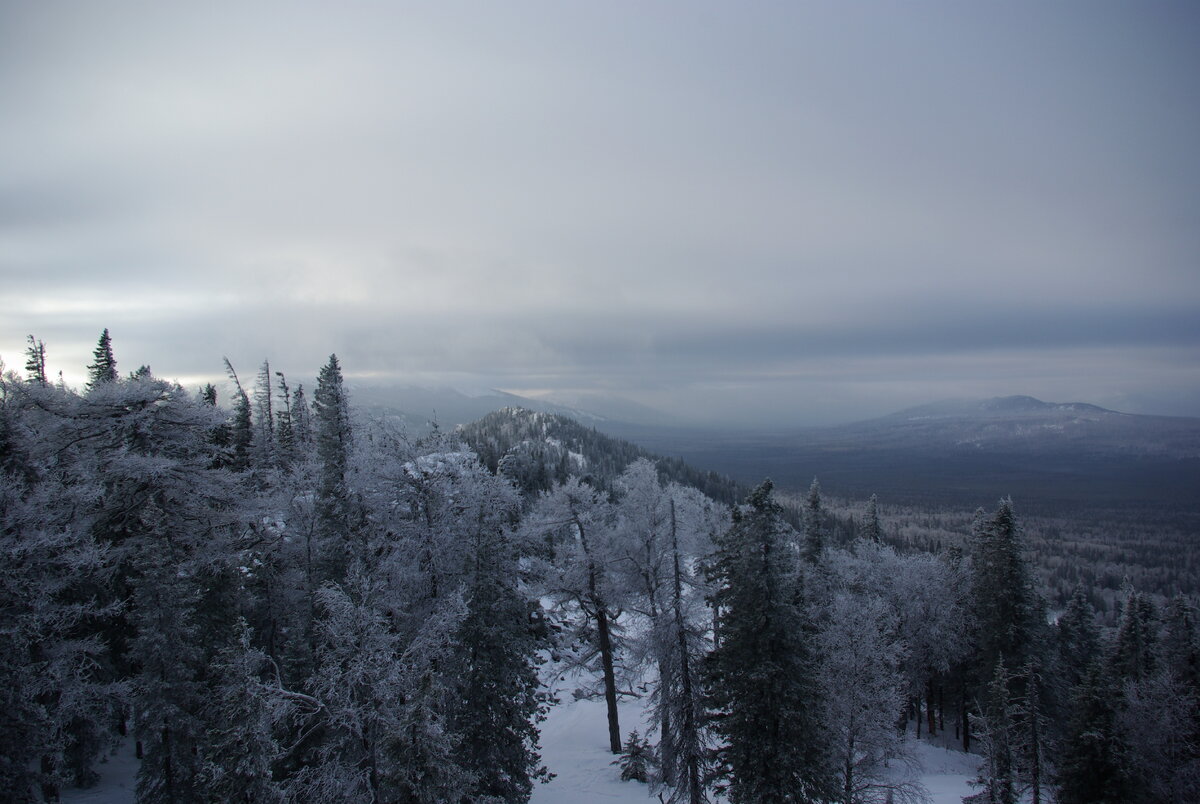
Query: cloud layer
(754, 211)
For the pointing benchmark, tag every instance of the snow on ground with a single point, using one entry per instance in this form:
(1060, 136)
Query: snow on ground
(118, 775)
(575, 747)
(946, 773)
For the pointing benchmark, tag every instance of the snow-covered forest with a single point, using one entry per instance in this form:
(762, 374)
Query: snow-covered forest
(275, 599)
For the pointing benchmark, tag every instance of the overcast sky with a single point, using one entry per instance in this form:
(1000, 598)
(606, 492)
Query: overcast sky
(777, 212)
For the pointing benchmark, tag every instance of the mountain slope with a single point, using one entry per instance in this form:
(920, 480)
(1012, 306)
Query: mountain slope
(538, 449)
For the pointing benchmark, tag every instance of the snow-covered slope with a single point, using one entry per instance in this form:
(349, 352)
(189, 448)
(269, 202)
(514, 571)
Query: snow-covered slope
(575, 748)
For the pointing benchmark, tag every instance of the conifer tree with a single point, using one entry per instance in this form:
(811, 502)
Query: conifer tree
(814, 524)
(1092, 761)
(264, 416)
(241, 427)
(1078, 637)
(301, 420)
(1006, 606)
(871, 529)
(1133, 656)
(285, 432)
(497, 707)
(637, 759)
(104, 369)
(333, 442)
(35, 362)
(761, 680)
(1180, 643)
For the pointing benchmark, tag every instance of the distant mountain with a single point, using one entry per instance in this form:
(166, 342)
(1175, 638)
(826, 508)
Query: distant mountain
(1022, 424)
(1051, 456)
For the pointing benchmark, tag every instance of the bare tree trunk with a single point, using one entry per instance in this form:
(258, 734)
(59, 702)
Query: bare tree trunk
(929, 709)
(610, 681)
(606, 649)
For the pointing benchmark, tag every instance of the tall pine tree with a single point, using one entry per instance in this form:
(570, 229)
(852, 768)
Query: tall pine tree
(762, 690)
(104, 369)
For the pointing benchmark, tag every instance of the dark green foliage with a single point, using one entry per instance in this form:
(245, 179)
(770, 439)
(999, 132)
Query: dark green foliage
(814, 524)
(871, 529)
(1133, 656)
(1180, 644)
(761, 679)
(333, 441)
(497, 684)
(35, 362)
(1078, 637)
(1092, 762)
(1005, 604)
(637, 759)
(104, 369)
(240, 436)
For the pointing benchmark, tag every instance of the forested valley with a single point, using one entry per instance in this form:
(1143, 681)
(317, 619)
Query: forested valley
(280, 600)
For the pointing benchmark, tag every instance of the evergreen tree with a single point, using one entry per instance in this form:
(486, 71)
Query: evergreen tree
(1092, 761)
(637, 759)
(241, 426)
(104, 369)
(1078, 637)
(871, 529)
(497, 700)
(761, 680)
(814, 524)
(301, 420)
(35, 362)
(333, 441)
(285, 431)
(1133, 653)
(1180, 643)
(264, 416)
(1006, 607)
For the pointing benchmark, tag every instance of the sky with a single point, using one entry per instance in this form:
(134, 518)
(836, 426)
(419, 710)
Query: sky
(760, 212)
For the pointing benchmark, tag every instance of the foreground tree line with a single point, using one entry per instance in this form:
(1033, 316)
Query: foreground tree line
(279, 602)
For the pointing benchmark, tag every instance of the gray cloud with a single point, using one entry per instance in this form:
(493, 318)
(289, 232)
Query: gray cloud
(679, 205)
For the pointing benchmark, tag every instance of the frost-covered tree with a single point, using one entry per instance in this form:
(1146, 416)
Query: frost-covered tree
(863, 689)
(872, 530)
(57, 707)
(762, 686)
(497, 705)
(264, 418)
(997, 730)
(334, 441)
(1133, 656)
(575, 522)
(814, 524)
(1159, 725)
(241, 425)
(1078, 637)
